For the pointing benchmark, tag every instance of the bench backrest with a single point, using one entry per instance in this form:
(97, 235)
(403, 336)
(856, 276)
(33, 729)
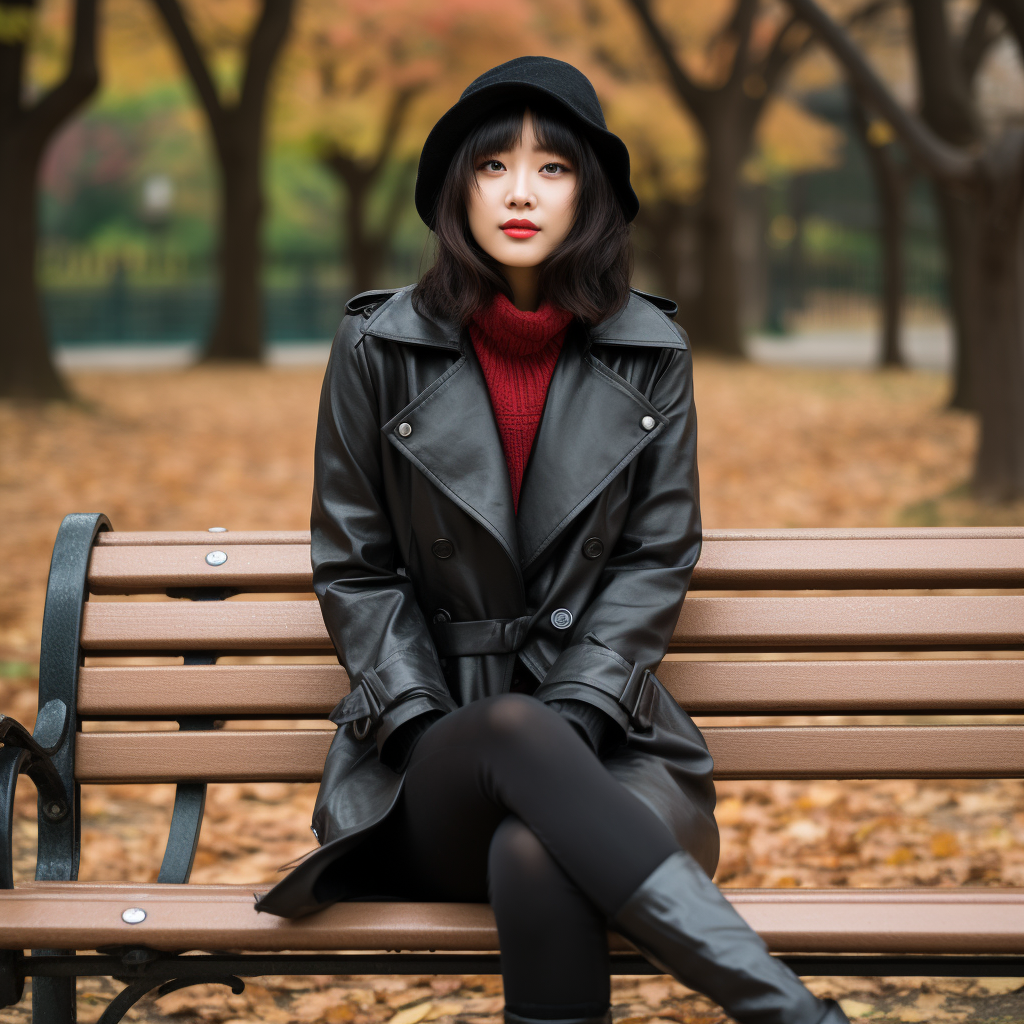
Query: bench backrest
(778, 623)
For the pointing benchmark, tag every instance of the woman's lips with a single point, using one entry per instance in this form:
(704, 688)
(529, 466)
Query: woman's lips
(520, 228)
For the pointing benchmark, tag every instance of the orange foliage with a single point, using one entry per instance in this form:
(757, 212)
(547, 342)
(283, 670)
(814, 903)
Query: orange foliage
(348, 61)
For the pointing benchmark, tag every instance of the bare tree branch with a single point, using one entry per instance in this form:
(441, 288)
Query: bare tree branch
(267, 39)
(393, 125)
(741, 27)
(174, 18)
(685, 86)
(937, 156)
(78, 84)
(981, 33)
(793, 39)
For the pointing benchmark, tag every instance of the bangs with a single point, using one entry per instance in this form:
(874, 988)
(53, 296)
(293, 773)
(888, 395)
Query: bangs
(504, 131)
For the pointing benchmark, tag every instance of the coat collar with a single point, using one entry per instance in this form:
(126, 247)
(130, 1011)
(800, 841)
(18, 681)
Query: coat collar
(641, 322)
(591, 429)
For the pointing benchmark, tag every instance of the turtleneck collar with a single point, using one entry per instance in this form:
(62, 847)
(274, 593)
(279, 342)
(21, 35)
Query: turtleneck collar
(519, 332)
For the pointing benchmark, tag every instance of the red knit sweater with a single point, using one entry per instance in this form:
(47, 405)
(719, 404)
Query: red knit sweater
(517, 352)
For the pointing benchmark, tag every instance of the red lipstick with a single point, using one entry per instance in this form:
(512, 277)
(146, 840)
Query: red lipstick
(515, 228)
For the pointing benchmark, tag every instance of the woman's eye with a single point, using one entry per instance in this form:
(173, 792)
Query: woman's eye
(553, 168)
(494, 165)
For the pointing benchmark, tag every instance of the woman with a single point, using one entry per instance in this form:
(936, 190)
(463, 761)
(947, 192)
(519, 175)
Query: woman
(505, 521)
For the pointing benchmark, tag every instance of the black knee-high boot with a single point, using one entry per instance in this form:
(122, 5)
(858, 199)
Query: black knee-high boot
(681, 922)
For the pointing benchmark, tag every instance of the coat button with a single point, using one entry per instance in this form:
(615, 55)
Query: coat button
(441, 616)
(442, 548)
(648, 423)
(593, 548)
(561, 618)
(405, 429)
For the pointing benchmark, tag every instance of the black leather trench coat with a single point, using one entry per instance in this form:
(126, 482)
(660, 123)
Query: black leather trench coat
(431, 585)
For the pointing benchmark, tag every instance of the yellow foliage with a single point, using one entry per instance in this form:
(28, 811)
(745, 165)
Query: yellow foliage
(349, 61)
(792, 139)
(664, 144)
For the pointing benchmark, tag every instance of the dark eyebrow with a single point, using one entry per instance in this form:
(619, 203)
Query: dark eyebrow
(551, 152)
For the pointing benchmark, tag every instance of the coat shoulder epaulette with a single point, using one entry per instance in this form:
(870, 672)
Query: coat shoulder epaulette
(366, 302)
(667, 306)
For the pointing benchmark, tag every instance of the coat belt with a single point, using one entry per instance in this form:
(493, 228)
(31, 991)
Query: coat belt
(485, 636)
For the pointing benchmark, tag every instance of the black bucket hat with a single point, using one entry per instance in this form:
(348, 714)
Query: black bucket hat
(556, 83)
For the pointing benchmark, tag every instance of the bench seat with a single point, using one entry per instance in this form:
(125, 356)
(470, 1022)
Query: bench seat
(159, 666)
(87, 916)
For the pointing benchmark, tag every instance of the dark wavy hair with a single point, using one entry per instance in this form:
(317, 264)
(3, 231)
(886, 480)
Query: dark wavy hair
(588, 274)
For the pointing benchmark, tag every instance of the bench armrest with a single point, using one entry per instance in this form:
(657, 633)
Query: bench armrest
(25, 753)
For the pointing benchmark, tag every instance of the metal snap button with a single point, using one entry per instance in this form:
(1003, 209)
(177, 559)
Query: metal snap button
(216, 558)
(561, 618)
(648, 423)
(593, 547)
(134, 915)
(442, 616)
(404, 429)
(443, 548)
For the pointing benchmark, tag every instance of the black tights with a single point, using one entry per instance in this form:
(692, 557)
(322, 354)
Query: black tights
(503, 800)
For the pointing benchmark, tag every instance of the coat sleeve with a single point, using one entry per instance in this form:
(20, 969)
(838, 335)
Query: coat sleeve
(627, 626)
(369, 608)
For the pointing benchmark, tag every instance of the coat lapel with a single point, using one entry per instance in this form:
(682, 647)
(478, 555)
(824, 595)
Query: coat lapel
(590, 431)
(454, 442)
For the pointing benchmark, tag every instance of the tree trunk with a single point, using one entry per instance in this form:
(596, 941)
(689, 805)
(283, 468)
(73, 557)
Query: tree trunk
(947, 106)
(665, 247)
(237, 132)
(718, 304)
(891, 182)
(364, 255)
(893, 212)
(996, 176)
(890, 187)
(238, 328)
(26, 368)
(962, 217)
(998, 367)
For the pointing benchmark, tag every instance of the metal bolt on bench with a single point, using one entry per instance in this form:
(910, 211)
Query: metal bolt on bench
(840, 641)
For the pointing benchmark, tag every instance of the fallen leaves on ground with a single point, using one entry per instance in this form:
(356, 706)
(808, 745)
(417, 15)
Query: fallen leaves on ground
(778, 447)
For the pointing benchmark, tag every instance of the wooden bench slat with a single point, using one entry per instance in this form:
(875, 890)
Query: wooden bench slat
(860, 563)
(127, 569)
(154, 562)
(701, 687)
(225, 690)
(85, 916)
(850, 621)
(788, 752)
(705, 622)
(161, 538)
(845, 687)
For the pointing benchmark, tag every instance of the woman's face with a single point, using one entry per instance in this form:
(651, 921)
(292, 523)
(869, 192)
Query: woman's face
(522, 206)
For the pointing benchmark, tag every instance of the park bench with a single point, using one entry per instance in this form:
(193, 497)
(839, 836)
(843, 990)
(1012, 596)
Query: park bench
(832, 607)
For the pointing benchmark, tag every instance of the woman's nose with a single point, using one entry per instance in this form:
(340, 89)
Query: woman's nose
(520, 197)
